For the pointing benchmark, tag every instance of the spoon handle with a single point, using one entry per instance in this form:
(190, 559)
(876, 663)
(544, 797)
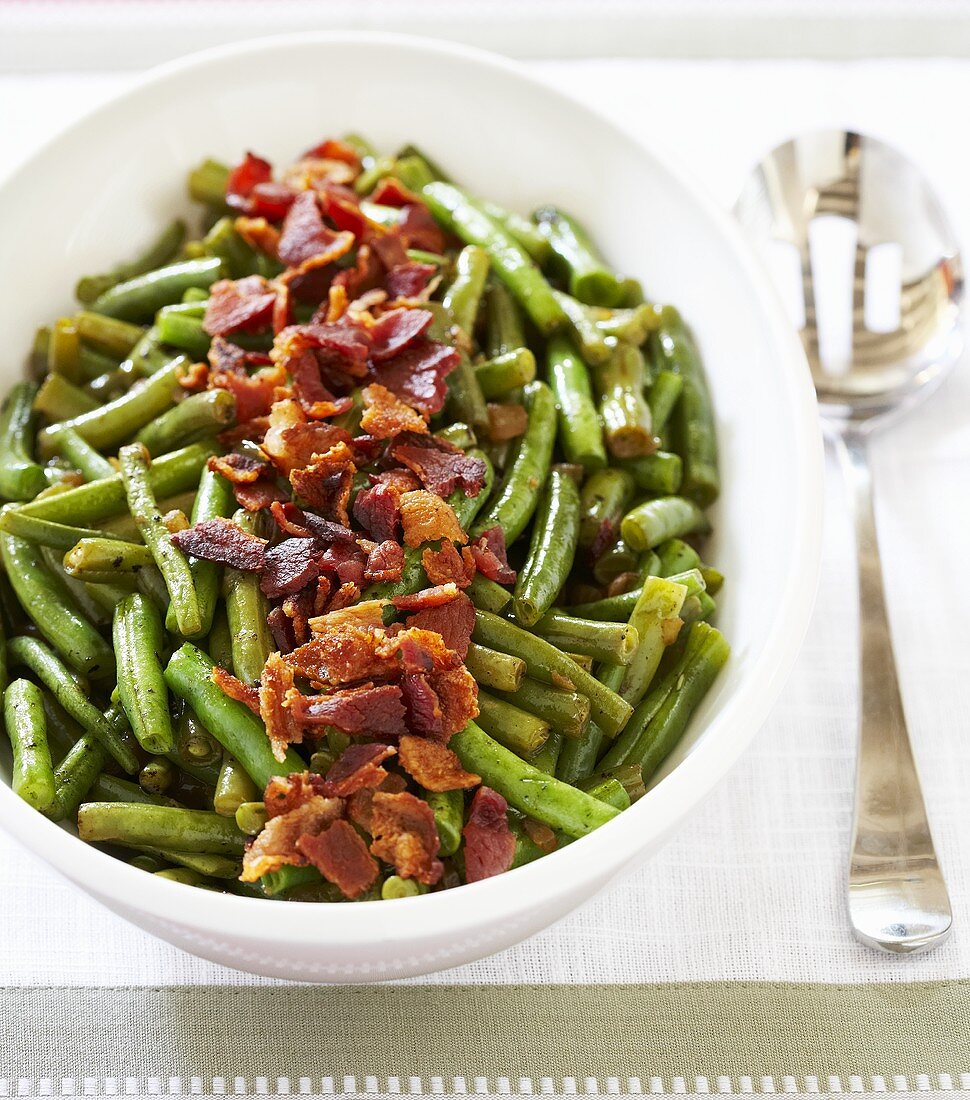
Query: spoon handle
(897, 897)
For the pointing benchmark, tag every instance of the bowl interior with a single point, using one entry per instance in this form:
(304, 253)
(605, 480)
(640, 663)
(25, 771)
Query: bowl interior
(103, 188)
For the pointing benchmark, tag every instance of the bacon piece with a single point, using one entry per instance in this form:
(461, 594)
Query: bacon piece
(441, 466)
(334, 149)
(447, 564)
(259, 235)
(434, 765)
(358, 766)
(421, 650)
(347, 562)
(260, 494)
(384, 563)
(340, 854)
(424, 714)
(427, 597)
(247, 694)
(286, 792)
(418, 229)
(396, 330)
(506, 421)
(369, 710)
(342, 342)
(195, 378)
(409, 280)
(282, 728)
(224, 542)
(348, 593)
(325, 484)
(454, 621)
(276, 845)
(314, 397)
(405, 836)
(283, 629)
(426, 517)
(489, 842)
(289, 566)
(237, 468)
(417, 375)
(490, 557)
(458, 697)
(364, 275)
(367, 613)
(391, 192)
(292, 442)
(305, 240)
(378, 508)
(343, 654)
(239, 305)
(254, 393)
(305, 525)
(386, 415)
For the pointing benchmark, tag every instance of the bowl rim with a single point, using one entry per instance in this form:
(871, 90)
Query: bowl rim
(727, 734)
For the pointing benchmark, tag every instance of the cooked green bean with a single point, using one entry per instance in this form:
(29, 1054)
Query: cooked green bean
(590, 280)
(487, 595)
(511, 263)
(76, 774)
(617, 560)
(234, 787)
(64, 350)
(659, 473)
(604, 500)
(654, 521)
(663, 396)
(58, 399)
(580, 430)
(108, 334)
(71, 446)
(505, 331)
(555, 533)
(528, 789)
(159, 252)
(602, 641)
(196, 417)
(565, 711)
(170, 560)
(676, 556)
(98, 559)
(251, 817)
(624, 410)
(606, 789)
(512, 727)
(449, 816)
(96, 366)
(461, 302)
(136, 823)
(140, 298)
(520, 229)
(138, 639)
(220, 639)
(506, 372)
(21, 478)
(247, 609)
(547, 757)
(495, 670)
(196, 752)
(157, 776)
(33, 772)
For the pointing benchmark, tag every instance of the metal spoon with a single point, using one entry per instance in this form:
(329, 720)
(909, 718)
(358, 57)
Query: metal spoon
(897, 897)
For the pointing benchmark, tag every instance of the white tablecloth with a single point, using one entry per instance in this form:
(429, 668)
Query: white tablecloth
(751, 888)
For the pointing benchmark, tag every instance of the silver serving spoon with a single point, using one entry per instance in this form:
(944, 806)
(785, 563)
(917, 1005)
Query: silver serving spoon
(876, 285)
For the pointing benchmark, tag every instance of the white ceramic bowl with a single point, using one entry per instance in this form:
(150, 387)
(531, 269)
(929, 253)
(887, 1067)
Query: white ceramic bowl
(102, 188)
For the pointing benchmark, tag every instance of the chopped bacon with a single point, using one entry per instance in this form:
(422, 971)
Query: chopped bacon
(343, 654)
(367, 613)
(244, 180)
(326, 483)
(489, 842)
(396, 330)
(276, 845)
(358, 766)
(364, 275)
(348, 593)
(378, 508)
(391, 192)
(426, 517)
(314, 397)
(283, 629)
(458, 696)
(230, 685)
(490, 557)
(282, 727)
(311, 172)
(224, 542)
(374, 711)
(260, 494)
(417, 374)
(447, 564)
(289, 566)
(386, 416)
(441, 466)
(236, 468)
(305, 240)
(434, 765)
(254, 393)
(454, 621)
(348, 562)
(384, 563)
(292, 441)
(286, 792)
(427, 597)
(418, 229)
(340, 854)
(423, 706)
(259, 234)
(239, 305)
(506, 421)
(334, 149)
(409, 280)
(405, 836)
(195, 377)
(390, 249)
(342, 342)
(422, 650)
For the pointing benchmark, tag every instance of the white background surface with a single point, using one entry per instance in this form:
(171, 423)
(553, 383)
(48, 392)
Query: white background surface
(752, 887)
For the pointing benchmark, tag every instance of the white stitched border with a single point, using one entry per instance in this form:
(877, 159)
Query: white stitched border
(371, 1087)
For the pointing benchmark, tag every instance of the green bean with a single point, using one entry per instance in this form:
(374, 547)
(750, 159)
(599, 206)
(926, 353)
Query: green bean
(516, 729)
(76, 773)
(615, 561)
(186, 877)
(504, 328)
(713, 579)
(53, 610)
(250, 817)
(659, 473)
(136, 823)
(223, 242)
(459, 434)
(598, 331)
(98, 559)
(528, 789)
(555, 534)
(96, 368)
(546, 758)
(233, 788)
(676, 556)
(146, 356)
(692, 421)
(565, 711)
(602, 641)
(143, 296)
(159, 252)
(58, 399)
(207, 183)
(91, 608)
(21, 478)
(247, 609)
(394, 887)
(664, 394)
(39, 349)
(196, 751)
(414, 172)
(238, 730)
(511, 262)
(32, 653)
(547, 663)
(124, 526)
(82, 456)
(170, 560)
(460, 302)
(64, 350)
(487, 595)
(436, 170)
(520, 229)
(33, 772)
(108, 334)
(108, 425)
(196, 417)
(220, 639)
(506, 372)
(138, 639)
(515, 499)
(449, 816)
(654, 521)
(495, 670)
(590, 280)
(580, 431)
(606, 789)
(157, 776)
(604, 499)
(623, 408)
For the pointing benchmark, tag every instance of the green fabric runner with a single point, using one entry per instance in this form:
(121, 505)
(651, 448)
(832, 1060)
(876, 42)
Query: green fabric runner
(696, 1030)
